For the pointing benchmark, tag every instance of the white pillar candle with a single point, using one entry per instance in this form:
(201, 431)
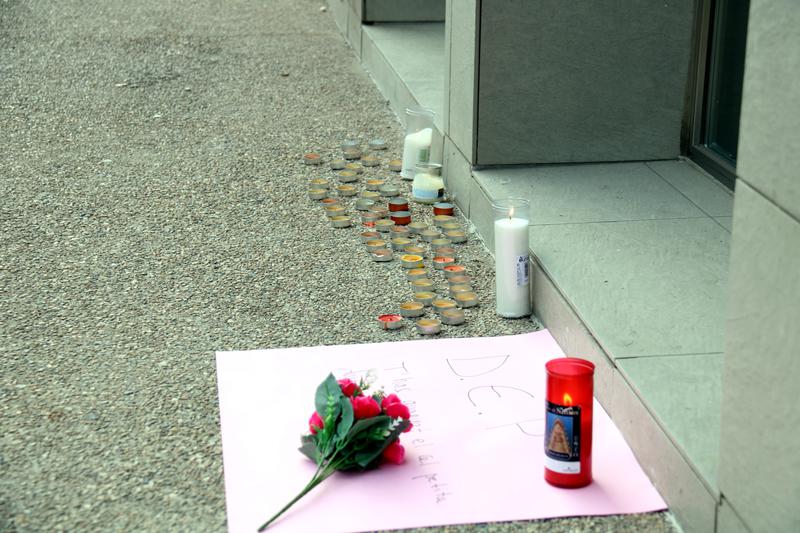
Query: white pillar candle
(511, 266)
(416, 149)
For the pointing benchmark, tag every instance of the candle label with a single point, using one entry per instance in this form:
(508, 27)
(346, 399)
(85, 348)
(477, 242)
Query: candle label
(562, 441)
(424, 154)
(522, 270)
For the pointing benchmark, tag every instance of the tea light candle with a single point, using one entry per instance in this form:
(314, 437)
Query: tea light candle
(439, 243)
(346, 190)
(334, 210)
(417, 227)
(338, 164)
(454, 270)
(412, 309)
(456, 236)
(369, 216)
(451, 226)
(416, 273)
(446, 251)
(429, 326)
(374, 184)
(459, 280)
(440, 305)
(363, 204)
(417, 250)
(379, 210)
(370, 195)
(422, 284)
(424, 297)
(354, 167)
(466, 299)
(352, 153)
(410, 261)
(398, 204)
(370, 161)
(401, 218)
(375, 244)
(398, 243)
(458, 289)
(382, 255)
(395, 165)
(377, 144)
(440, 262)
(317, 194)
(389, 190)
(511, 257)
(369, 236)
(441, 220)
(443, 208)
(391, 321)
(329, 201)
(370, 224)
(399, 231)
(351, 144)
(568, 422)
(429, 235)
(320, 183)
(383, 225)
(347, 176)
(452, 317)
(341, 221)
(312, 158)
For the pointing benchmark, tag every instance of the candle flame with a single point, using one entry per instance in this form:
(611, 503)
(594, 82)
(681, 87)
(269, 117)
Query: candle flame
(511, 213)
(567, 399)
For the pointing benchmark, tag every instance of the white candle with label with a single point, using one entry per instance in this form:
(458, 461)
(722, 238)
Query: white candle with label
(511, 265)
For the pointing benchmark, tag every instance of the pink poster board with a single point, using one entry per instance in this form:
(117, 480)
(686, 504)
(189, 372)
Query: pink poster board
(475, 453)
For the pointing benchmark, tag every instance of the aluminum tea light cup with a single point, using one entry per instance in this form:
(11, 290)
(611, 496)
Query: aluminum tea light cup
(417, 227)
(346, 190)
(363, 204)
(375, 244)
(410, 260)
(374, 184)
(454, 270)
(395, 165)
(338, 164)
(398, 204)
(369, 216)
(334, 210)
(441, 220)
(424, 297)
(383, 225)
(347, 176)
(390, 321)
(429, 235)
(440, 262)
(450, 226)
(466, 299)
(422, 284)
(370, 195)
(416, 273)
(456, 235)
(441, 304)
(377, 144)
(341, 221)
(429, 326)
(382, 255)
(350, 144)
(317, 194)
(458, 289)
(459, 280)
(370, 161)
(369, 236)
(452, 317)
(443, 208)
(354, 167)
(412, 309)
(369, 225)
(329, 201)
(352, 153)
(399, 231)
(389, 190)
(416, 250)
(312, 158)
(379, 210)
(398, 243)
(446, 251)
(319, 183)
(439, 243)
(401, 218)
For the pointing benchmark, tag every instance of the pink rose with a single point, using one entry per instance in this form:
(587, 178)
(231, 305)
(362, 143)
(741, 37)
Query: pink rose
(365, 407)
(315, 423)
(394, 453)
(389, 400)
(348, 387)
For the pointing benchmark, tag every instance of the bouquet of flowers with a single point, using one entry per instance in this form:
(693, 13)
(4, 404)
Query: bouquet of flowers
(350, 430)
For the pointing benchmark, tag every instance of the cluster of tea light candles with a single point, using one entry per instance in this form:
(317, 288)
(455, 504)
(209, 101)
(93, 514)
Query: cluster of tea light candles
(389, 232)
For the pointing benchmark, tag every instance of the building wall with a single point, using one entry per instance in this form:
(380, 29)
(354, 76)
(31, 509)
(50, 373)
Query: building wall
(759, 460)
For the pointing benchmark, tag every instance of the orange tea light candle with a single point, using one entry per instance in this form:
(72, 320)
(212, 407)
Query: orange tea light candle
(440, 262)
(452, 317)
(412, 309)
(334, 210)
(446, 251)
(346, 190)
(369, 236)
(423, 284)
(440, 305)
(424, 297)
(317, 194)
(375, 244)
(370, 195)
(312, 158)
(329, 201)
(455, 289)
(319, 183)
(410, 261)
(417, 250)
(454, 270)
(441, 220)
(429, 326)
(341, 221)
(456, 236)
(370, 161)
(374, 184)
(347, 176)
(466, 299)
(398, 243)
(354, 167)
(416, 273)
(395, 165)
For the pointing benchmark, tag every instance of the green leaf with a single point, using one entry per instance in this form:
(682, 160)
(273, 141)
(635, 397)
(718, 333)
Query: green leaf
(328, 391)
(368, 458)
(347, 417)
(367, 423)
(308, 448)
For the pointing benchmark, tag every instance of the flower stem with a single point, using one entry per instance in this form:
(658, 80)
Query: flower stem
(318, 478)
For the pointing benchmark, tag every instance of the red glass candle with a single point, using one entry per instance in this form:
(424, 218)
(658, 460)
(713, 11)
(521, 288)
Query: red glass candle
(443, 208)
(398, 204)
(568, 422)
(401, 218)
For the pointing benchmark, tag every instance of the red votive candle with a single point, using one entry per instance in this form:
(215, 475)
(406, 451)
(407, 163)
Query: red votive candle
(568, 422)
(398, 204)
(443, 208)
(401, 218)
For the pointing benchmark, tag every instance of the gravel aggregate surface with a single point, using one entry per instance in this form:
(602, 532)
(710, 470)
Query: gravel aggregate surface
(154, 211)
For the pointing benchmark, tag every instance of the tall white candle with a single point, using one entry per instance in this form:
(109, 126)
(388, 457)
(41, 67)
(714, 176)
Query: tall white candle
(512, 269)
(416, 149)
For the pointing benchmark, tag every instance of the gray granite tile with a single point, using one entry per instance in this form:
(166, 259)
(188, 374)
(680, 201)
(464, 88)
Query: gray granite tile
(704, 191)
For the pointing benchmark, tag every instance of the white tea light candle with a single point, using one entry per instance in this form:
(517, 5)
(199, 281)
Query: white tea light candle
(511, 257)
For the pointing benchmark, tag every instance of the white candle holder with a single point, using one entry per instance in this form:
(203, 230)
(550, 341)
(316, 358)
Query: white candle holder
(418, 139)
(512, 264)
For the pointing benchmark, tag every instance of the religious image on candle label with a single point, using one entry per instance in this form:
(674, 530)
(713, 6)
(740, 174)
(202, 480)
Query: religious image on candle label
(562, 439)
(522, 270)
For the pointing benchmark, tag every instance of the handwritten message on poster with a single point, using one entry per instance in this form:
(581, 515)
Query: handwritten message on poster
(475, 453)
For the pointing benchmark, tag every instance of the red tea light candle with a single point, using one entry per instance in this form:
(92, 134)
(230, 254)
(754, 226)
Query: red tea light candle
(401, 218)
(440, 243)
(329, 201)
(423, 284)
(369, 236)
(412, 309)
(341, 221)
(424, 297)
(446, 251)
(312, 158)
(338, 164)
(440, 305)
(370, 161)
(395, 165)
(319, 183)
(334, 210)
(417, 250)
(363, 204)
(568, 422)
(452, 317)
(466, 299)
(382, 255)
(456, 236)
(317, 194)
(457, 289)
(391, 321)
(369, 216)
(398, 204)
(454, 270)
(416, 273)
(441, 220)
(389, 190)
(374, 184)
(370, 195)
(429, 235)
(410, 261)
(379, 210)
(417, 227)
(440, 262)
(347, 176)
(346, 190)
(429, 326)
(398, 243)
(354, 167)
(443, 208)
(375, 245)
(384, 225)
